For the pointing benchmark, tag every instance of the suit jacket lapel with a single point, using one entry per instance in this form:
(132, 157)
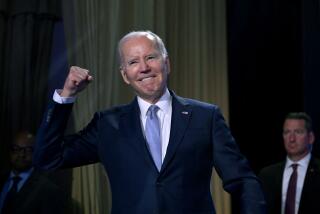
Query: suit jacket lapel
(3, 178)
(130, 126)
(181, 114)
(311, 172)
(28, 187)
(310, 182)
(278, 186)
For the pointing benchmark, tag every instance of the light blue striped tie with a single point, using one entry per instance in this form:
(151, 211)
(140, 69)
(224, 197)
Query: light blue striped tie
(153, 135)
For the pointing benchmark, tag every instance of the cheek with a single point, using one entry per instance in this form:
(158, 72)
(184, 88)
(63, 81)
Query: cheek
(286, 144)
(302, 140)
(132, 75)
(126, 77)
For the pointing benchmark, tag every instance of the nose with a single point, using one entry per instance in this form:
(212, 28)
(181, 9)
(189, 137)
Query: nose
(144, 67)
(292, 137)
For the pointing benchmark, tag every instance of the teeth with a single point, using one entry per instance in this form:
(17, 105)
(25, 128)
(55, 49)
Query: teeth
(145, 79)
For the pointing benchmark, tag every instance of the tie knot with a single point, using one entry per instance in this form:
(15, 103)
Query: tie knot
(16, 179)
(294, 166)
(152, 111)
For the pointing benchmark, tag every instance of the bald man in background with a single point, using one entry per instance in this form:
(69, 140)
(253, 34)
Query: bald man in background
(33, 192)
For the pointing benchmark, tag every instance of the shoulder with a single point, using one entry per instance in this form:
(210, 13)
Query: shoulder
(197, 104)
(202, 112)
(272, 169)
(4, 175)
(40, 178)
(42, 183)
(42, 188)
(116, 111)
(315, 162)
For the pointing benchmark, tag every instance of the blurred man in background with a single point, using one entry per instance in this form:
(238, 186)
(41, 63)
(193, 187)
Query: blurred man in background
(25, 190)
(293, 186)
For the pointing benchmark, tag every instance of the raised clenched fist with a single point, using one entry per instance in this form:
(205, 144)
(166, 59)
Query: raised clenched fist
(77, 80)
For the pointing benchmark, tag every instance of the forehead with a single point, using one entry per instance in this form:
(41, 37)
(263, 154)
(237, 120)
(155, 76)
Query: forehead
(294, 123)
(138, 43)
(24, 140)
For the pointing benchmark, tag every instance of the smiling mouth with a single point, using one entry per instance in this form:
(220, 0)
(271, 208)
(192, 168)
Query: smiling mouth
(146, 79)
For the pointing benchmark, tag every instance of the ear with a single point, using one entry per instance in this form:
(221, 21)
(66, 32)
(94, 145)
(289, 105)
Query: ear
(311, 138)
(167, 64)
(124, 76)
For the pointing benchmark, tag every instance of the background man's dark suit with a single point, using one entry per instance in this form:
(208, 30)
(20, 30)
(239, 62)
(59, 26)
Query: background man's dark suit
(199, 140)
(271, 178)
(38, 195)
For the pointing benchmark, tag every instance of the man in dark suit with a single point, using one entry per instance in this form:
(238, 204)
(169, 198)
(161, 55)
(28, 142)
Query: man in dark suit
(298, 139)
(158, 150)
(34, 192)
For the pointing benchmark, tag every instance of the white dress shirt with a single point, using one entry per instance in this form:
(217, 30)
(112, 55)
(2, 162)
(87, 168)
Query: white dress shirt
(62, 100)
(164, 114)
(301, 170)
(8, 184)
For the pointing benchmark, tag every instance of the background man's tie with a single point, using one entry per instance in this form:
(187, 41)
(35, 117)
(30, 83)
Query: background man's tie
(153, 136)
(291, 192)
(11, 195)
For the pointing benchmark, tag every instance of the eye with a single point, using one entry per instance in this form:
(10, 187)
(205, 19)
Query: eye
(28, 149)
(299, 131)
(151, 57)
(132, 62)
(286, 132)
(15, 149)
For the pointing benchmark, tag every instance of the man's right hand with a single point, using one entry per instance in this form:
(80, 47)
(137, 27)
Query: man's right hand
(77, 80)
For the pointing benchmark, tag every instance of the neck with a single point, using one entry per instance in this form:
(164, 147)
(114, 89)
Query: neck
(154, 99)
(296, 158)
(18, 171)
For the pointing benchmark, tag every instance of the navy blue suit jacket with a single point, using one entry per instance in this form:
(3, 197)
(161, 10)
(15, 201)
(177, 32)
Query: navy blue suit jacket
(199, 140)
(272, 176)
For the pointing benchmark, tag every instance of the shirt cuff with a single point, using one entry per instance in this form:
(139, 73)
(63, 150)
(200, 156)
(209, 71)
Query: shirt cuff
(62, 100)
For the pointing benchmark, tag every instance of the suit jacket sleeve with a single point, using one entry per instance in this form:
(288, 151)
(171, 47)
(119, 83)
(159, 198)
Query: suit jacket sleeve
(53, 150)
(238, 179)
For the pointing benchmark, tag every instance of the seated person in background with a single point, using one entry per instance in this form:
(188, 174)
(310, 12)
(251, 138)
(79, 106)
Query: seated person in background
(25, 190)
(293, 186)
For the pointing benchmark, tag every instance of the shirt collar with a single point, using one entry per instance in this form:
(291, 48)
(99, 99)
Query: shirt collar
(164, 103)
(23, 175)
(303, 162)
